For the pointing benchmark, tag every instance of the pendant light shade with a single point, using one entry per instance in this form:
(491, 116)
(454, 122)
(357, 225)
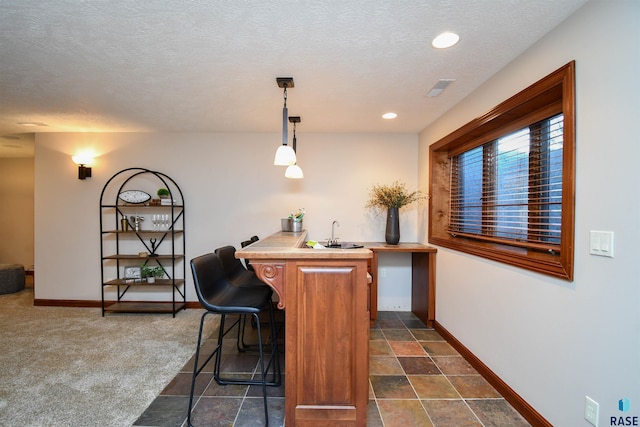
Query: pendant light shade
(285, 155)
(294, 172)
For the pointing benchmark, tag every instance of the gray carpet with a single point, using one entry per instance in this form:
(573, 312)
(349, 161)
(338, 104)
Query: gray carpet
(63, 366)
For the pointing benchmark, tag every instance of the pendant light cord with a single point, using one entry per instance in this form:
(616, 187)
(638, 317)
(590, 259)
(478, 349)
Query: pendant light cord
(294, 137)
(285, 119)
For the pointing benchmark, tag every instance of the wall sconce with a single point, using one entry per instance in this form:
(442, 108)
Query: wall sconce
(285, 155)
(83, 161)
(294, 171)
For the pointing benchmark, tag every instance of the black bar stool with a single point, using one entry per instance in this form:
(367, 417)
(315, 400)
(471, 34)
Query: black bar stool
(238, 275)
(217, 295)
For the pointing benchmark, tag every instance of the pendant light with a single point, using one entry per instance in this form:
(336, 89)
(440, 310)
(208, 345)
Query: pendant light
(294, 171)
(285, 155)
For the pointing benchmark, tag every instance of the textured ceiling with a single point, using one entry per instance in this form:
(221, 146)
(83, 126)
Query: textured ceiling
(211, 65)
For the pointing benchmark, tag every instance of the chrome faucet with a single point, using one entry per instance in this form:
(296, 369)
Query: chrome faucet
(333, 240)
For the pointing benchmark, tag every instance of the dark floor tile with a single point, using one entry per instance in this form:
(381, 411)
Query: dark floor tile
(376, 335)
(380, 348)
(251, 337)
(497, 413)
(231, 390)
(426, 335)
(272, 391)
(405, 315)
(392, 387)
(387, 315)
(181, 384)
(398, 335)
(229, 346)
(384, 365)
(418, 366)
(403, 413)
(454, 365)
(407, 348)
(373, 415)
(165, 411)
(215, 411)
(433, 387)
(450, 413)
(252, 413)
(414, 323)
(439, 348)
(473, 386)
(205, 350)
(239, 362)
(390, 323)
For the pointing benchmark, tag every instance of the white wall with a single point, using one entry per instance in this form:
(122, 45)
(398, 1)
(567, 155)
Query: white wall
(232, 191)
(555, 341)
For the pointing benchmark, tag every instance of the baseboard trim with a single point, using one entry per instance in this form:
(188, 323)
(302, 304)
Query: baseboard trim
(66, 303)
(518, 403)
(88, 303)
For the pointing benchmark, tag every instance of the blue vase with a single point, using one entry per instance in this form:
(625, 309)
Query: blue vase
(392, 232)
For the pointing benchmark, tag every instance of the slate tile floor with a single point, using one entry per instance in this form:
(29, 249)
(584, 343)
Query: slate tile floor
(416, 379)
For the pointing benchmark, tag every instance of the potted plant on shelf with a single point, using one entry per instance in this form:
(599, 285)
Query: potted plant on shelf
(150, 273)
(392, 198)
(163, 193)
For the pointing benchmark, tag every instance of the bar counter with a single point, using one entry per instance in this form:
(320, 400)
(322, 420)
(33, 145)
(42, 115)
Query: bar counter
(325, 296)
(292, 246)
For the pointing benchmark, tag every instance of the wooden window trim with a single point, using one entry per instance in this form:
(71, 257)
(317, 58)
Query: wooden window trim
(555, 92)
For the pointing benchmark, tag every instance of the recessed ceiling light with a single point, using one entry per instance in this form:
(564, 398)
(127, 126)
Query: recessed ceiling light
(389, 116)
(445, 40)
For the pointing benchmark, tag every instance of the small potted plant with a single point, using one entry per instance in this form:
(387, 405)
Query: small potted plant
(163, 193)
(296, 219)
(150, 273)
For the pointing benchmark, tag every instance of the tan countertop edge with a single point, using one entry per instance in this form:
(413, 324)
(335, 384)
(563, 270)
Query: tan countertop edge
(287, 245)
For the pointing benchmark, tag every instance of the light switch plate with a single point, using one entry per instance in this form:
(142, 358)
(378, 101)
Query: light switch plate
(601, 243)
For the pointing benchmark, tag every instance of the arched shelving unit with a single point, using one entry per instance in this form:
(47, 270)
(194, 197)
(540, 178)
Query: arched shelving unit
(158, 241)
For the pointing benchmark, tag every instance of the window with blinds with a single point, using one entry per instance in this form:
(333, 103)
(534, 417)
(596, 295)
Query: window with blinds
(509, 190)
(502, 186)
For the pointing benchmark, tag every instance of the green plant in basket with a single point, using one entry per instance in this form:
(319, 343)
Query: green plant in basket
(298, 215)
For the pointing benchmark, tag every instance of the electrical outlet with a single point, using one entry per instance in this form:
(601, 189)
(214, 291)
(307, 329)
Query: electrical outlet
(591, 410)
(383, 272)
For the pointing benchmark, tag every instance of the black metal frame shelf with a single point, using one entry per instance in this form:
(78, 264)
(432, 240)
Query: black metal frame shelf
(166, 247)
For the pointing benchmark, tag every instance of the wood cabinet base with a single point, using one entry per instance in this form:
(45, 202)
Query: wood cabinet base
(327, 339)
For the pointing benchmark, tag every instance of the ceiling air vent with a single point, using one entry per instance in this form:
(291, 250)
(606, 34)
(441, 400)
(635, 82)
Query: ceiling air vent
(439, 87)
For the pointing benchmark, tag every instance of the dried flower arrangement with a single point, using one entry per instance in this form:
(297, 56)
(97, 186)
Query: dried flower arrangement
(395, 195)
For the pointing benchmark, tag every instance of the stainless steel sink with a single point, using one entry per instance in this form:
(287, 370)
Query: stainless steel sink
(344, 245)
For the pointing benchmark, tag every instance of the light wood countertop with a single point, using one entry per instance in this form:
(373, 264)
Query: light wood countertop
(289, 245)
